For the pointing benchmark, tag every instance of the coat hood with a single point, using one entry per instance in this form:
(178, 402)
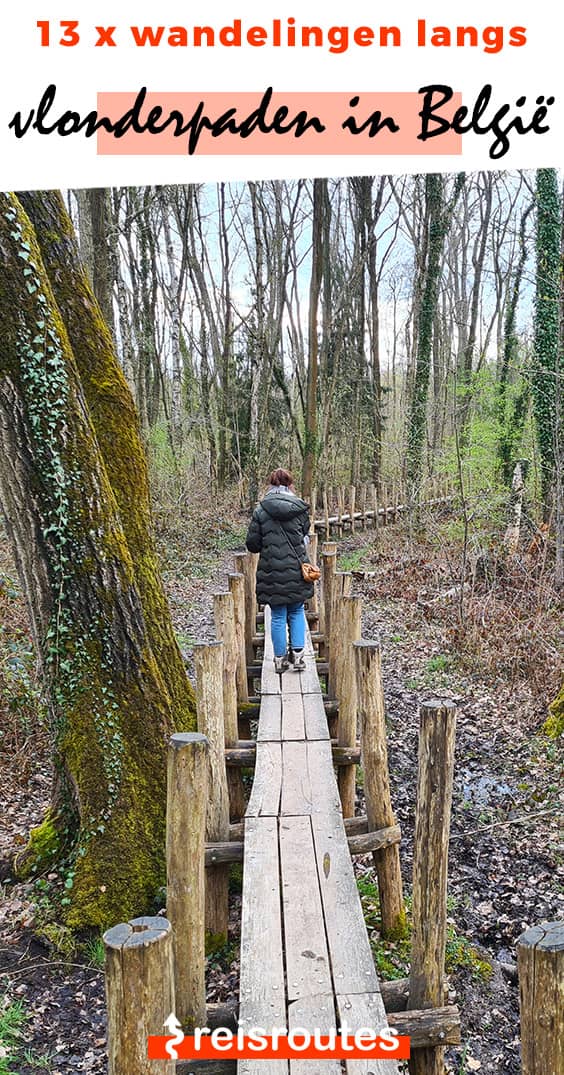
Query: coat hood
(283, 505)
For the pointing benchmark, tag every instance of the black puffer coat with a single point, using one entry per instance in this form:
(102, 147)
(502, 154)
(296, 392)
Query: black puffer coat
(280, 520)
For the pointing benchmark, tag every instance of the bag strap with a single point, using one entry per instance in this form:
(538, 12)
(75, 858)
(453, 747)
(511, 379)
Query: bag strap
(293, 548)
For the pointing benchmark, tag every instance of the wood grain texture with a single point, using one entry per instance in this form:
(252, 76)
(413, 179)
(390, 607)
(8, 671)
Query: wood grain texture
(349, 946)
(265, 796)
(139, 993)
(540, 961)
(307, 959)
(313, 1013)
(236, 582)
(262, 999)
(365, 1011)
(377, 793)
(430, 864)
(208, 662)
(187, 794)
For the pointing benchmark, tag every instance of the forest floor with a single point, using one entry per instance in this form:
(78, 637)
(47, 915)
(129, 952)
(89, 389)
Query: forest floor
(496, 657)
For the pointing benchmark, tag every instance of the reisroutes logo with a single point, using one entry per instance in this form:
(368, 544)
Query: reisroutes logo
(278, 1043)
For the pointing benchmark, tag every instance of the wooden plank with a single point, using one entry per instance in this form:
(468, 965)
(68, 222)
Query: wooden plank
(262, 999)
(315, 717)
(270, 681)
(309, 680)
(349, 947)
(293, 720)
(322, 778)
(311, 1013)
(306, 682)
(308, 781)
(297, 795)
(270, 719)
(265, 796)
(360, 1010)
(308, 972)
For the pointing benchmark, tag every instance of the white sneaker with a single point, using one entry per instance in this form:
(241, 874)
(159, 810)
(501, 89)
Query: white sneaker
(281, 664)
(299, 660)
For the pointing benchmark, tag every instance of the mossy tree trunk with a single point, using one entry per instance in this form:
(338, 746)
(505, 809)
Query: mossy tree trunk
(115, 420)
(511, 421)
(547, 328)
(79, 524)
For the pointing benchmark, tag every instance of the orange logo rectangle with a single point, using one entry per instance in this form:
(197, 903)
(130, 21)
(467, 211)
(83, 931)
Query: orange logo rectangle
(297, 1044)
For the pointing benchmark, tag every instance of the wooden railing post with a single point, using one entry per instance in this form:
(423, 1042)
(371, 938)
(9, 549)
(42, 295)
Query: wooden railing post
(430, 864)
(341, 587)
(246, 565)
(237, 590)
(139, 993)
(187, 796)
(378, 799)
(208, 660)
(312, 556)
(328, 569)
(347, 698)
(224, 617)
(540, 961)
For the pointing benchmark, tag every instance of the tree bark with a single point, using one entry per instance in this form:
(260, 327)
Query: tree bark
(84, 560)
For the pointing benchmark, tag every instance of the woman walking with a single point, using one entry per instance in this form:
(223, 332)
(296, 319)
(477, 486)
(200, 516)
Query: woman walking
(279, 532)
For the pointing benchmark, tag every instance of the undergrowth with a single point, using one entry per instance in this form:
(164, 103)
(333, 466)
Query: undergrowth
(392, 958)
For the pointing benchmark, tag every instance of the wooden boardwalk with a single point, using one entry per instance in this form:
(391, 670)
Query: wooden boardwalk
(305, 954)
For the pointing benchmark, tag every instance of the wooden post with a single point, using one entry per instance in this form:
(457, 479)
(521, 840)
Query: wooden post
(352, 506)
(224, 616)
(139, 993)
(237, 590)
(341, 587)
(363, 497)
(430, 864)
(347, 699)
(313, 603)
(385, 505)
(328, 569)
(313, 505)
(379, 811)
(208, 660)
(540, 961)
(187, 795)
(246, 565)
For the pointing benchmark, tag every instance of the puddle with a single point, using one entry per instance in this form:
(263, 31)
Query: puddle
(485, 789)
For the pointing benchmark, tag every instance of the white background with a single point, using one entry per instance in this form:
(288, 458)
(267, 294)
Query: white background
(79, 73)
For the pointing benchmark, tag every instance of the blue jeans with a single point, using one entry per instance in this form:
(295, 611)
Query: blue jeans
(294, 616)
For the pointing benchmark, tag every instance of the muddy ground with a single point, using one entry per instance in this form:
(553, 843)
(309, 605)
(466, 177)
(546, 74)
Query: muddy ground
(507, 853)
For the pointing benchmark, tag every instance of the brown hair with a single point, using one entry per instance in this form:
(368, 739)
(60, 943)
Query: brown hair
(281, 477)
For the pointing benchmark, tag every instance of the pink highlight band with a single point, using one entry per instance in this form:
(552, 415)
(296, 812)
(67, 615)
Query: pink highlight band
(331, 109)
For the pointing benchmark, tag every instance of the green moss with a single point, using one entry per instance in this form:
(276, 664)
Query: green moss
(460, 955)
(401, 929)
(42, 850)
(215, 942)
(236, 877)
(554, 723)
(59, 937)
(392, 954)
